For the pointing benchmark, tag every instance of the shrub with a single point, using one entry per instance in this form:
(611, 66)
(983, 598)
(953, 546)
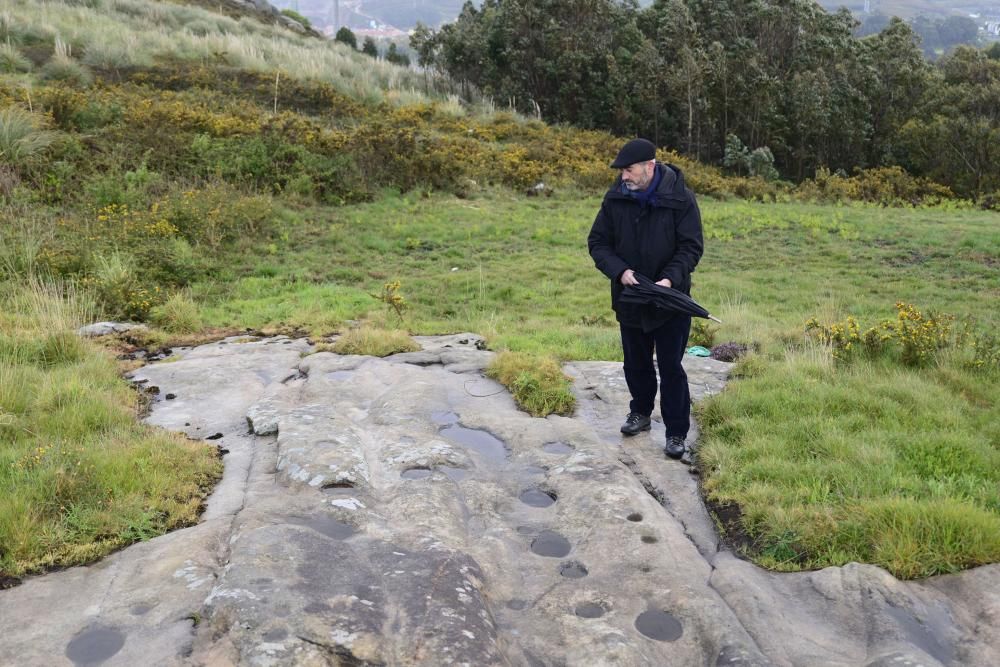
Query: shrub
(886, 186)
(345, 36)
(729, 352)
(538, 385)
(702, 333)
(915, 336)
(374, 342)
(120, 291)
(62, 67)
(214, 214)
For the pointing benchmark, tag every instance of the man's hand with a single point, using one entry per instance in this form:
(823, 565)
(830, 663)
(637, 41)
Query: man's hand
(665, 283)
(628, 278)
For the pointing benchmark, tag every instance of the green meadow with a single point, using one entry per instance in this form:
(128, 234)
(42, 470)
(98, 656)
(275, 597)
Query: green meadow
(830, 457)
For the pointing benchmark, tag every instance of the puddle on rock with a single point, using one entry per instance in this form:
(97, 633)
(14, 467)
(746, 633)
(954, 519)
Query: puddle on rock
(94, 645)
(550, 544)
(444, 418)
(481, 442)
(573, 570)
(535, 470)
(416, 473)
(659, 625)
(557, 448)
(328, 526)
(537, 498)
(589, 610)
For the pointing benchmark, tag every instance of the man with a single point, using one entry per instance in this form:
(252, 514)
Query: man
(649, 224)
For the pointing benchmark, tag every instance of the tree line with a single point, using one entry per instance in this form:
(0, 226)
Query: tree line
(704, 76)
(392, 54)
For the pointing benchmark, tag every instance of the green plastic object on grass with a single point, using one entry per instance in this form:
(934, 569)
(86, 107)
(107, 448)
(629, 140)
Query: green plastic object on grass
(699, 351)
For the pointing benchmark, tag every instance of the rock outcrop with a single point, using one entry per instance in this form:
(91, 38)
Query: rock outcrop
(403, 511)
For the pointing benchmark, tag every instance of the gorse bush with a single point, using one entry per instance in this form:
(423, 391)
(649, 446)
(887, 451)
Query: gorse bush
(912, 337)
(886, 186)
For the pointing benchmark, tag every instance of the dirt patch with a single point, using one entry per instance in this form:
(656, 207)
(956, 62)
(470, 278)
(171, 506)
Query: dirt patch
(729, 518)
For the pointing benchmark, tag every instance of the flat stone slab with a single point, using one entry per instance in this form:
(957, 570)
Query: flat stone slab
(403, 511)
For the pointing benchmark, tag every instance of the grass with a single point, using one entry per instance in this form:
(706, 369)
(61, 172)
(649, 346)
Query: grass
(79, 476)
(829, 462)
(125, 33)
(374, 342)
(537, 384)
(21, 135)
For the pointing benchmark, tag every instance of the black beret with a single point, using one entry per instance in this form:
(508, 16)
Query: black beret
(637, 150)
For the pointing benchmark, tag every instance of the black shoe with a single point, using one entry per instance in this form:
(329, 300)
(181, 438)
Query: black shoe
(674, 447)
(635, 423)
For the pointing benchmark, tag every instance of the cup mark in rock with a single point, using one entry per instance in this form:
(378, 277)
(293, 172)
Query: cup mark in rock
(649, 539)
(535, 470)
(573, 570)
(558, 448)
(634, 516)
(659, 625)
(517, 605)
(275, 635)
(590, 610)
(416, 473)
(339, 484)
(325, 525)
(482, 442)
(550, 544)
(340, 375)
(537, 498)
(140, 609)
(94, 645)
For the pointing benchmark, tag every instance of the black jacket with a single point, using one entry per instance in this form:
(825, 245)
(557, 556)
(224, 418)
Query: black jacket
(663, 240)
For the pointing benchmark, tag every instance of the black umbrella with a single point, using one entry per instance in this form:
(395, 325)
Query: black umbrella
(666, 298)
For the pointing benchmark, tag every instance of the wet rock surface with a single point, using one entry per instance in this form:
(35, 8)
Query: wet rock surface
(402, 511)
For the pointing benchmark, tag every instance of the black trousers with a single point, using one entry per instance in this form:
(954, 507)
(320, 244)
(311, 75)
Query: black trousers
(669, 341)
